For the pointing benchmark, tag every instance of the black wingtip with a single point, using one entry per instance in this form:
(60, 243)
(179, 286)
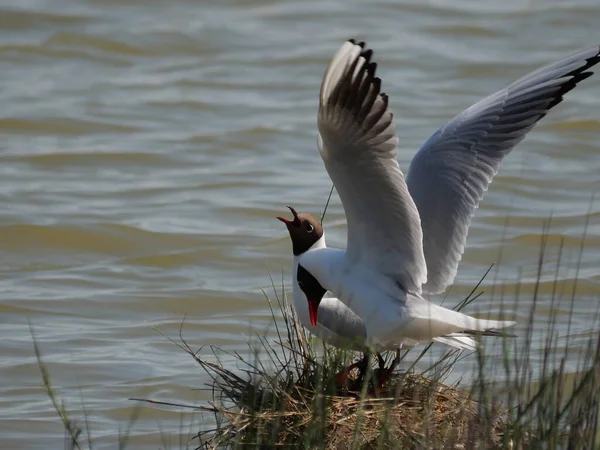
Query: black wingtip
(578, 75)
(592, 61)
(367, 54)
(355, 42)
(359, 90)
(385, 99)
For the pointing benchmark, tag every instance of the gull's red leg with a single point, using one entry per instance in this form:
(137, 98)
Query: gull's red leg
(385, 373)
(341, 379)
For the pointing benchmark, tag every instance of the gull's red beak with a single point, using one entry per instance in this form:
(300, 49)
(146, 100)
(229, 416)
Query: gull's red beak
(296, 222)
(313, 307)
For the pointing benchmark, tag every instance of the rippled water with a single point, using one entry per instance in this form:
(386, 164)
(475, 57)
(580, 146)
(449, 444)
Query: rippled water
(146, 147)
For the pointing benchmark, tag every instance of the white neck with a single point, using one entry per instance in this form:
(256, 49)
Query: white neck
(300, 303)
(319, 244)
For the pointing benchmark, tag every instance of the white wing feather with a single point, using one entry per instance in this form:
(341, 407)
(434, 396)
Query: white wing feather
(358, 145)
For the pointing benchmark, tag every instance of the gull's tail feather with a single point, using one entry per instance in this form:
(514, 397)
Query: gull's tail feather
(463, 324)
(484, 327)
(433, 322)
(463, 341)
(491, 332)
(457, 341)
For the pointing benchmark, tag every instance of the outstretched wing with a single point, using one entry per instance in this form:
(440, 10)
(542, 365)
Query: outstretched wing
(358, 145)
(449, 175)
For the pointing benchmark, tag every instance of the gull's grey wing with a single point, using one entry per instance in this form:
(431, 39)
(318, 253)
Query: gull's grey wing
(450, 173)
(348, 330)
(357, 141)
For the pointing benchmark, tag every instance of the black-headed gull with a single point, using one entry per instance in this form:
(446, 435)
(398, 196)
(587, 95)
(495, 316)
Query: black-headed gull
(337, 324)
(406, 238)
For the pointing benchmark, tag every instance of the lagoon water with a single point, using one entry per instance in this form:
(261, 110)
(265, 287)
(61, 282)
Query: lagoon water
(147, 146)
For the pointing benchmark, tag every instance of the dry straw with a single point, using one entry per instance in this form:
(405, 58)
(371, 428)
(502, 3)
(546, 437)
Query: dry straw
(284, 395)
(293, 401)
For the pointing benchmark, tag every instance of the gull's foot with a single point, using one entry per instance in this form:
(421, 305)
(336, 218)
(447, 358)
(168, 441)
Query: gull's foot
(342, 379)
(384, 373)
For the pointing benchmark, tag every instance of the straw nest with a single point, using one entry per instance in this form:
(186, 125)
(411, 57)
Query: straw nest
(284, 394)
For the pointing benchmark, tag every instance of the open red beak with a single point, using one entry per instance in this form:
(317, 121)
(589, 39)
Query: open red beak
(313, 307)
(296, 222)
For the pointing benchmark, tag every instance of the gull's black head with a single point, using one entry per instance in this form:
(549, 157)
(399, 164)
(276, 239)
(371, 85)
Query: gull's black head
(304, 231)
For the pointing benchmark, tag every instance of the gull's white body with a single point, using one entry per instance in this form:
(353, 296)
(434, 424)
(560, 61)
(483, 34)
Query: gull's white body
(406, 237)
(338, 325)
(390, 315)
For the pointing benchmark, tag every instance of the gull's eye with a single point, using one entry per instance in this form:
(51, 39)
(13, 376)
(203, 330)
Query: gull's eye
(310, 228)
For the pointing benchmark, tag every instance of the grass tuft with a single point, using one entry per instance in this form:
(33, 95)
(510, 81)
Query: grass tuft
(292, 399)
(543, 391)
(284, 393)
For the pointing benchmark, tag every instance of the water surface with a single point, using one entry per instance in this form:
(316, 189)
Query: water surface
(146, 148)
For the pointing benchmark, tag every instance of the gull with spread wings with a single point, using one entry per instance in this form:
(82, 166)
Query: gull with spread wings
(406, 236)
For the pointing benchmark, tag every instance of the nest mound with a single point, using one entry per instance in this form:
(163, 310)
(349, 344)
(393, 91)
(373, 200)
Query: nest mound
(287, 396)
(416, 412)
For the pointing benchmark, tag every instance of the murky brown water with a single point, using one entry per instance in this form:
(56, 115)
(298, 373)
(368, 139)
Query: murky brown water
(146, 147)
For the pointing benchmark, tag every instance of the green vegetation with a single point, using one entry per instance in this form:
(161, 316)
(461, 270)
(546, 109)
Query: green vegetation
(294, 401)
(283, 394)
